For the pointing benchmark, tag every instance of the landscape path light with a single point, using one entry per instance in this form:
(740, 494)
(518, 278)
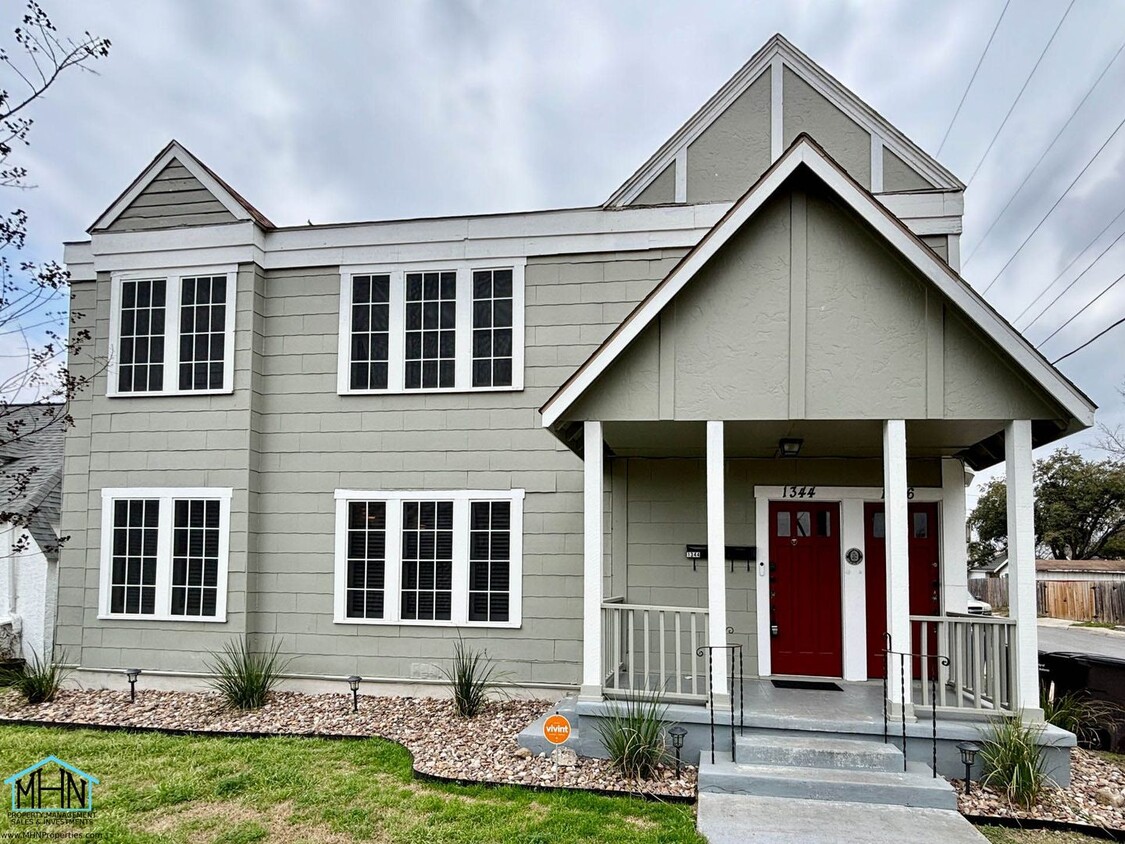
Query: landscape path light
(677, 733)
(132, 674)
(969, 751)
(353, 684)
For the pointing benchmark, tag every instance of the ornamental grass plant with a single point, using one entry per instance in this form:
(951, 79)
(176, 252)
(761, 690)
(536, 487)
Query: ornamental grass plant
(38, 680)
(243, 677)
(633, 734)
(1012, 759)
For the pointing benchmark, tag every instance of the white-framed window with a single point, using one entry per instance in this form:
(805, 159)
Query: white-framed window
(172, 332)
(165, 553)
(451, 326)
(449, 558)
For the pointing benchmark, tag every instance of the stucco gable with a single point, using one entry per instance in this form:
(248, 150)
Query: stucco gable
(871, 331)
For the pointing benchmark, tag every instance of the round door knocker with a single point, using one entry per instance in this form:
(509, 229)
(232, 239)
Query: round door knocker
(854, 556)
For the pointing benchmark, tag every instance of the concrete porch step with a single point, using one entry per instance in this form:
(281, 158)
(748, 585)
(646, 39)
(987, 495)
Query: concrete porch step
(826, 752)
(915, 787)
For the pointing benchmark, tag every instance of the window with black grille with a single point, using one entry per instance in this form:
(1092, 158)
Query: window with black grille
(431, 321)
(203, 317)
(140, 365)
(489, 560)
(492, 328)
(136, 525)
(371, 302)
(195, 557)
(427, 560)
(367, 558)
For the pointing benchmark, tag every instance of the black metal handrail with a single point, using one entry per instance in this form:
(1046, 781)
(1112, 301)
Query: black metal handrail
(710, 649)
(888, 652)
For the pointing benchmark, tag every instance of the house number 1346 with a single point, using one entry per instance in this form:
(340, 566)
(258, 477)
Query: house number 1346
(798, 492)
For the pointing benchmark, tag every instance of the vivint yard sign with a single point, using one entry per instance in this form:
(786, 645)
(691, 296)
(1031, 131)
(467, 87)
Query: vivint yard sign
(52, 785)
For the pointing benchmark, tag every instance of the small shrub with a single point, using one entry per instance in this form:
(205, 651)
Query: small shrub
(245, 678)
(472, 679)
(1087, 718)
(633, 735)
(38, 681)
(1012, 760)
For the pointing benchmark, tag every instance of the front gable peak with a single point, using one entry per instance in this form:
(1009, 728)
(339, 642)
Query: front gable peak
(777, 95)
(175, 190)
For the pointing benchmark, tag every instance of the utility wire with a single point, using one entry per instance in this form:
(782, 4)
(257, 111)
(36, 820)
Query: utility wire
(1051, 211)
(1097, 336)
(1077, 278)
(973, 78)
(1019, 96)
(1050, 147)
(1081, 310)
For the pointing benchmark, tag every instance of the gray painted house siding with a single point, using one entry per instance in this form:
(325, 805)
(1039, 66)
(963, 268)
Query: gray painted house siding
(734, 151)
(808, 111)
(174, 198)
(285, 441)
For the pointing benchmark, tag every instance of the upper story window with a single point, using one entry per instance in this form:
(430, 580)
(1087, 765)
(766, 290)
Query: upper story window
(172, 333)
(448, 327)
(165, 554)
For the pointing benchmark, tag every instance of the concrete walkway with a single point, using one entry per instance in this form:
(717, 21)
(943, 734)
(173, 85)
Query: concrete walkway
(738, 819)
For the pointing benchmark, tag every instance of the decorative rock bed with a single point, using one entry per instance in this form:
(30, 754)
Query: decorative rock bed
(1076, 804)
(444, 745)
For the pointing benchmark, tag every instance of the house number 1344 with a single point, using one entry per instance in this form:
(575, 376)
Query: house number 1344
(798, 492)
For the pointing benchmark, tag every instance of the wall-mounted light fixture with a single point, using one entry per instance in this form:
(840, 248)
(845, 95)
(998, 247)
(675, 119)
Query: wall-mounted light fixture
(789, 446)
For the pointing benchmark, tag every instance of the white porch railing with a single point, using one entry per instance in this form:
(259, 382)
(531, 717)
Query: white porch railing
(981, 674)
(649, 648)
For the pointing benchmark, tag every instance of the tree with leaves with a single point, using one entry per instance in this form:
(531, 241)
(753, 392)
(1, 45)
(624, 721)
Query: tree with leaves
(1079, 510)
(37, 386)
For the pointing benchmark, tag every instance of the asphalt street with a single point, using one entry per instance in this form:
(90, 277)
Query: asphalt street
(1090, 640)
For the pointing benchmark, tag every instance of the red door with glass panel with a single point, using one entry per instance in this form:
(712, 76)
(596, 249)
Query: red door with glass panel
(925, 577)
(805, 614)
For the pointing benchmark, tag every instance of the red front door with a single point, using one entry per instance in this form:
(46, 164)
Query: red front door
(805, 615)
(925, 576)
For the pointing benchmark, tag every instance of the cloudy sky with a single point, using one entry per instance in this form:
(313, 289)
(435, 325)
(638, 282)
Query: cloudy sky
(341, 110)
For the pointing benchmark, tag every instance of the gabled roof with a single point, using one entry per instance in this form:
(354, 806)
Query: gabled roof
(805, 152)
(57, 761)
(779, 50)
(175, 151)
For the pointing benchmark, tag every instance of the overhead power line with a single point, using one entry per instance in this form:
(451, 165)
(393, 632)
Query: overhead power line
(1051, 210)
(973, 78)
(1097, 336)
(1046, 151)
(1080, 311)
(1019, 96)
(1077, 278)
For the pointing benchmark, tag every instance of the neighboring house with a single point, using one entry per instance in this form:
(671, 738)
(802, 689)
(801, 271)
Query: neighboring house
(1112, 571)
(365, 440)
(31, 472)
(996, 567)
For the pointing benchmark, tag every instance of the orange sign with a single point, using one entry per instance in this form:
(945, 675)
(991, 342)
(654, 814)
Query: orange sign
(557, 729)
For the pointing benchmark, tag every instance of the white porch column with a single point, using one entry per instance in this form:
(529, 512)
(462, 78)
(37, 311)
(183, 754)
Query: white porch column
(716, 558)
(898, 559)
(1021, 562)
(592, 508)
(954, 547)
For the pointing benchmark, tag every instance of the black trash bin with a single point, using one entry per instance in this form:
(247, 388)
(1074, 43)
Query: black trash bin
(1101, 678)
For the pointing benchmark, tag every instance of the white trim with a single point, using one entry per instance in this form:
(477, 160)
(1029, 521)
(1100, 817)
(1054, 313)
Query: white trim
(593, 557)
(954, 546)
(716, 556)
(173, 152)
(853, 586)
(762, 589)
(171, 369)
(777, 108)
(392, 571)
(876, 163)
(928, 263)
(396, 357)
(954, 248)
(898, 558)
(778, 50)
(165, 495)
(1021, 559)
(681, 175)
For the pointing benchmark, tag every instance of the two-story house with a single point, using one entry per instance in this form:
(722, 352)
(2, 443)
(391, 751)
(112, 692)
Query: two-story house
(735, 403)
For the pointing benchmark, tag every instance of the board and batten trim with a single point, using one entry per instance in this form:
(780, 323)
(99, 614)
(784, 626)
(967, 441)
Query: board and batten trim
(392, 556)
(805, 151)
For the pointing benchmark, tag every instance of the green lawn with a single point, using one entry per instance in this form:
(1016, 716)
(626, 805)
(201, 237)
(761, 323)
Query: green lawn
(1003, 835)
(157, 788)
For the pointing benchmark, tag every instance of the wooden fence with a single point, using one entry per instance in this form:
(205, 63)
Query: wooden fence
(1078, 600)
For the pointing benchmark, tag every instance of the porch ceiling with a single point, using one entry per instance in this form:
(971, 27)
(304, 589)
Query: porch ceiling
(822, 438)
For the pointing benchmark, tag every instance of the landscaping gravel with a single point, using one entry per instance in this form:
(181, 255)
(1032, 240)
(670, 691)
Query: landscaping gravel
(443, 744)
(1090, 774)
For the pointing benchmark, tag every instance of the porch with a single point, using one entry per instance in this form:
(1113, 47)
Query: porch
(882, 553)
